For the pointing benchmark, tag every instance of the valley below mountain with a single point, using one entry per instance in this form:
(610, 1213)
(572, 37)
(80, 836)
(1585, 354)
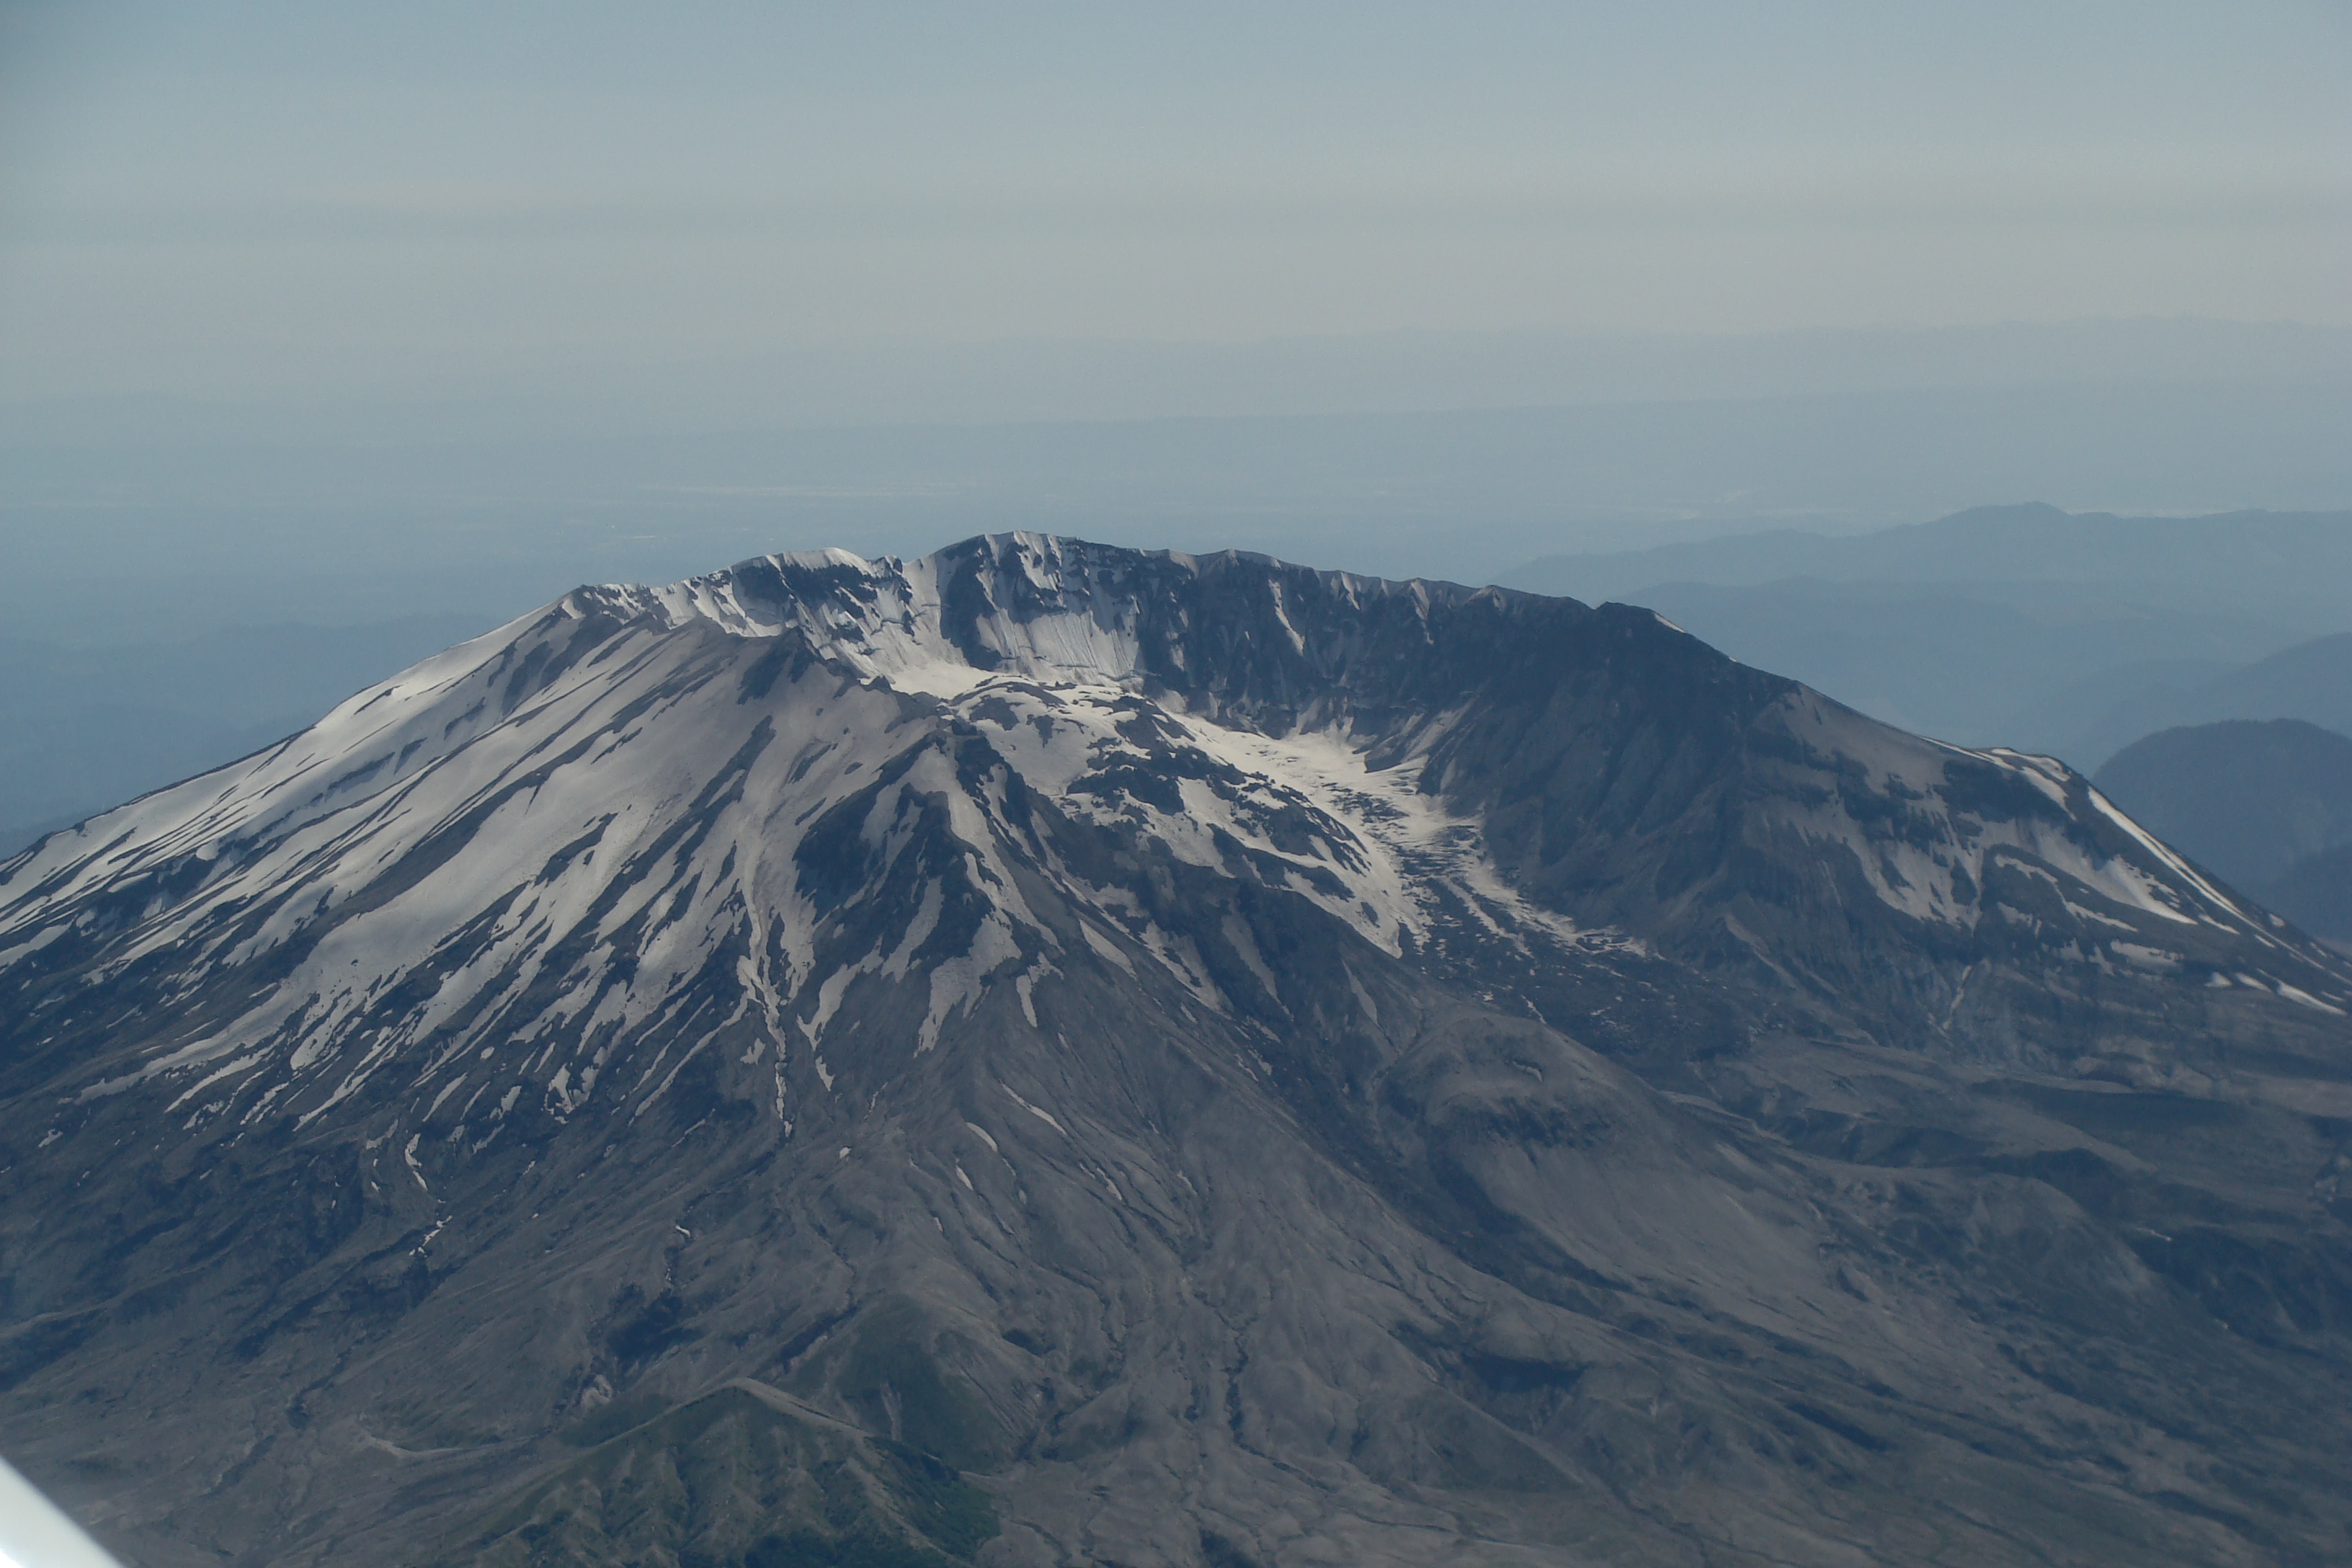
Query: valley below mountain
(1050, 1054)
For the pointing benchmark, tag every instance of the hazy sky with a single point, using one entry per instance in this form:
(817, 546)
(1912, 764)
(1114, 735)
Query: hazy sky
(236, 196)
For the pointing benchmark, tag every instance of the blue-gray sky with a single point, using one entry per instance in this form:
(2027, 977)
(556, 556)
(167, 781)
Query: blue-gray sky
(245, 197)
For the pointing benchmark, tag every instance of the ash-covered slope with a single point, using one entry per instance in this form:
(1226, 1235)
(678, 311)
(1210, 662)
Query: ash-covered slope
(1050, 1054)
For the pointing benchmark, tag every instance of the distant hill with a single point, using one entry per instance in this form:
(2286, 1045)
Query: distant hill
(2068, 633)
(2089, 720)
(2312, 682)
(1945, 662)
(2267, 806)
(2246, 799)
(2090, 716)
(2316, 892)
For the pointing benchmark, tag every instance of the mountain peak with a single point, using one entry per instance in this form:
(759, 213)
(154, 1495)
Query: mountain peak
(1146, 1049)
(1235, 630)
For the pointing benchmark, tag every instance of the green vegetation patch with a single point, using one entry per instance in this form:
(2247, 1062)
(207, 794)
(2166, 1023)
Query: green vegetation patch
(894, 1381)
(741, 1477)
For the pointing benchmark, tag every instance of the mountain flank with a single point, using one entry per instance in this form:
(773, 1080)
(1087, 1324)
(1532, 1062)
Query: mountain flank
(1052, 1053)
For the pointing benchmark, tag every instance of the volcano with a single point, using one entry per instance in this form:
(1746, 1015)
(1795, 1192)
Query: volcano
(1049, 1053)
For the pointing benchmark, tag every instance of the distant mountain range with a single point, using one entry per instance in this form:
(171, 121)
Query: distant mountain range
(2067, 634)
(237, 512)
(2311, 681)
(1048, 1053)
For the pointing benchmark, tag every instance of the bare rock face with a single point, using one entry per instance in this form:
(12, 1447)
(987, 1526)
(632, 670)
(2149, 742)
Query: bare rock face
(1055, 1055)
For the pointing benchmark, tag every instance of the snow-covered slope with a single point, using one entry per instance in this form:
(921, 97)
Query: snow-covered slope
(501, 875)
(833, 897)
(541, 838)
